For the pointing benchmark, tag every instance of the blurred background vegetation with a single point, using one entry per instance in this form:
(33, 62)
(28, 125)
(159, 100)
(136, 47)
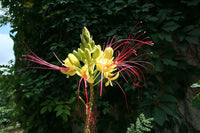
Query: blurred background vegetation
(45, 101)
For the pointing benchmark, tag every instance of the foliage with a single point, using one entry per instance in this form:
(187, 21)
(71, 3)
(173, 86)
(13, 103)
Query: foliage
(142, 125)
(195, 85)
(5, 116)
(6, 94)
(61, 108)
(196, 100)
(51, 25)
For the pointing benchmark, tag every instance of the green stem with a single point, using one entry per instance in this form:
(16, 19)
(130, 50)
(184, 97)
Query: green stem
(89, 109)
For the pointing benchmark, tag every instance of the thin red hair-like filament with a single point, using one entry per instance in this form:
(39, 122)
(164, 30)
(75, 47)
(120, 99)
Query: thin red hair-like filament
(38, 60)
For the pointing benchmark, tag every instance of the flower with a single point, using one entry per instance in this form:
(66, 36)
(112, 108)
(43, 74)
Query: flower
(90, 62)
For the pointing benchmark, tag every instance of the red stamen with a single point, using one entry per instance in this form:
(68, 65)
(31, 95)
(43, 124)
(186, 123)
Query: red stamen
(36, 59)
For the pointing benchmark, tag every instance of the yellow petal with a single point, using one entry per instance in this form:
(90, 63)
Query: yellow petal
(90, 80)
(115, 77)
(107, 83)
(70, 72)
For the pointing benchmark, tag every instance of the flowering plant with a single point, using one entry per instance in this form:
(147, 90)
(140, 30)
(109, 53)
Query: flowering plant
(94, 64)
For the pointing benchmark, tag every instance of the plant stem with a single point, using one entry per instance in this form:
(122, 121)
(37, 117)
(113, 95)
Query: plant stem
(88, 111)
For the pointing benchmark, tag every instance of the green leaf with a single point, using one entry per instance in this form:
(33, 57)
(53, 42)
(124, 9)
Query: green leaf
(119, 1)
(196, 101)
(188, 28)
(65, 117)
(59, 113)
(66, 107)
(165, 36)
(159, 67)
(142, 125)
(167, 109)
(169, 62)
(183, 46)
(193, 39)
(43, 110)
(170, 26)
(168, 98)
(71, 100)
(67, 112)
(112, 32)
(146, 7)
(191, 2)
(159, 116)
(195, 32)
(49, 108)
(195, 85)
(162, 15)
(151, 18)
(59, 107)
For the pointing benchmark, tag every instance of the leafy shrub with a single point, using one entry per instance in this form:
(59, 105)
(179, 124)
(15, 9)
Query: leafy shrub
(50, 25)
(196, 100)
(142, 125)
(5, 117)
(6, 94)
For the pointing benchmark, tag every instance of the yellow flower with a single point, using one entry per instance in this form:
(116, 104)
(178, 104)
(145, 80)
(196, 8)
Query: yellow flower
(68, 64)
(105, 64)
(73, 60)
(110, 77)
(108, 53)
(84, 73)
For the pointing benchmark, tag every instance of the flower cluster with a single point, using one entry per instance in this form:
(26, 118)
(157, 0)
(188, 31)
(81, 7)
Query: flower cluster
(95, 61)
(94, 64)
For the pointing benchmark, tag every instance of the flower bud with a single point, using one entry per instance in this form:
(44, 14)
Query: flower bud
(82, 46)
(87, 54)
(92, 44)
(73, 60)
(86, 34)
(89, 47)
(97, 51)
(108, 53)
(80, 51)
(78, 56)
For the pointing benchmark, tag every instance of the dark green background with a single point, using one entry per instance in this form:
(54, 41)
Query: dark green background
(55, 25)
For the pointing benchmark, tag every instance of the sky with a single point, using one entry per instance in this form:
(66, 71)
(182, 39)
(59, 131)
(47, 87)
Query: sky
(6, 44)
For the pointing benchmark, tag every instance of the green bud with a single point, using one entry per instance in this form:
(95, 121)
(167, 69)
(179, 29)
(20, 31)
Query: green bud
(108, 53)
(97, 51)
(78, 56)
(84, 42)
(82, 54)
(89, 47)
(74, 61)
(87, 54)
(92, 44)
(82, 46)
(86, 34)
